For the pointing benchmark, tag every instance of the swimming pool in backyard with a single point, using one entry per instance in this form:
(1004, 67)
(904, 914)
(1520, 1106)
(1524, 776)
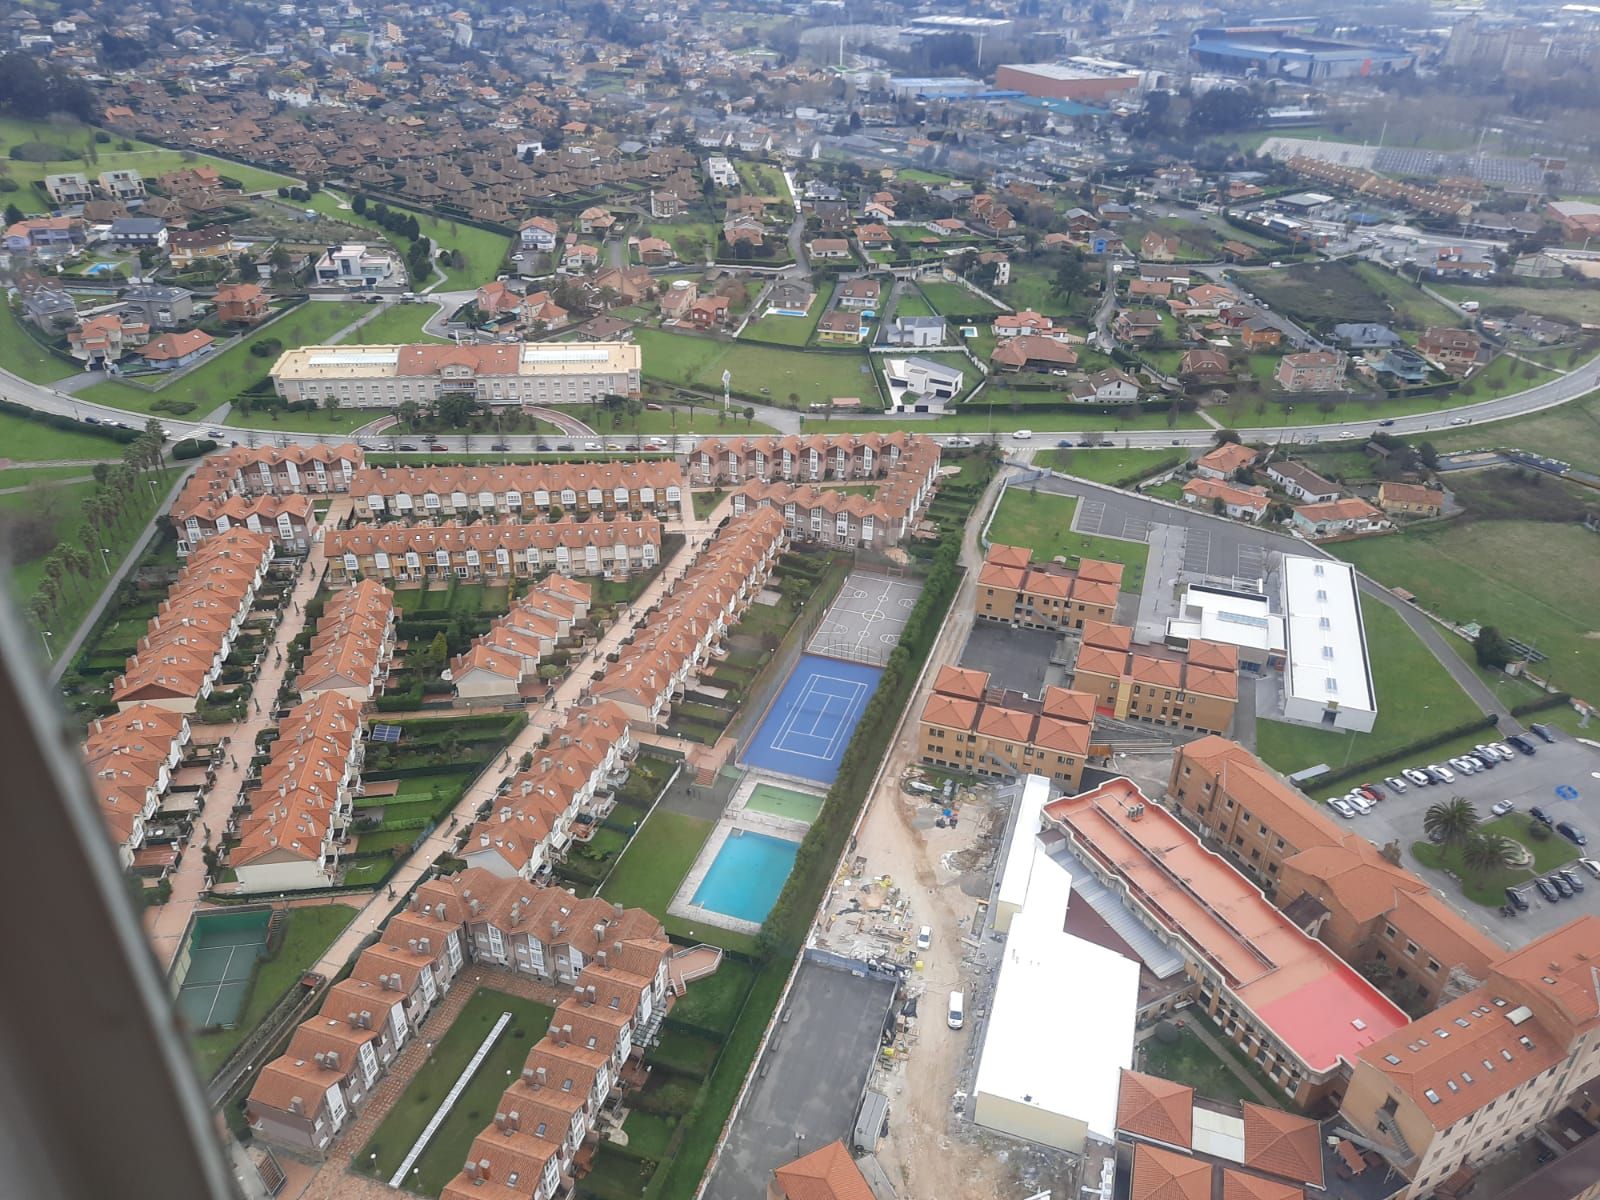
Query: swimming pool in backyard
(746, 876)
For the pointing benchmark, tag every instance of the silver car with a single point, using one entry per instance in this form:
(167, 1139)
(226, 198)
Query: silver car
(1396, 784)
(1359, 802)
(1339, 806)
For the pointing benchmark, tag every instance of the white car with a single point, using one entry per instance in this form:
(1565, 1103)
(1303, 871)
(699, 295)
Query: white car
(1022, 435)
(1501, 807)
(1506, 752)
(1359, 802)
(1465, 765)
(591, 445)
(924, 937)
(1337, 803)
(1443, 773)
(1458, 420)
(1591, 866)
(958, 441)
(1417, 777)
(1396, 784)
(1347, 433)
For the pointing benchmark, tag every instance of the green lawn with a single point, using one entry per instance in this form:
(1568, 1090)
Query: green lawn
(1190, 1061)
(1416, 698)
(660, 855)
(791, 331)
(1110, 465)
(485, 251)
(1569, 432)
(23, 356)
(691, 241)
(45, 476)
(322, 420)
(222, 377)
(1040, 521)
(1564, 303)
(954, 298)
(1488, 889)
(1410, 303)
(308, 933)
(62, 505)
(77, 138)
(474, 1108)
(911, 304)
(395, 324)
(24, 440)
(1541, 589)
(774, 375)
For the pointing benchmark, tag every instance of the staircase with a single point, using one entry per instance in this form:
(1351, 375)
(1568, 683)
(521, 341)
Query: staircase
(1163, 961)
(691, 963)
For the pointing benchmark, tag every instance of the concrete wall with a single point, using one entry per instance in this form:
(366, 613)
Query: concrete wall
(1034, 1124)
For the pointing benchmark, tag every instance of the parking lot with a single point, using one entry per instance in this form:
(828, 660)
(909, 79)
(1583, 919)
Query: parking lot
(1526, 782)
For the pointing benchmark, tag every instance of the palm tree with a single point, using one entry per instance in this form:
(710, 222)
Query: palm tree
(78, 561)
(55, 570)
(1485, 853)
(1453, 820)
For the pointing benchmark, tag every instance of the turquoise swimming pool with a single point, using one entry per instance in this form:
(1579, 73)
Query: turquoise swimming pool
(747, 875)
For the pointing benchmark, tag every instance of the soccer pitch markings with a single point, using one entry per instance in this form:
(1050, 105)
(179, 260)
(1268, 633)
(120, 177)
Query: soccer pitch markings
(866, 617)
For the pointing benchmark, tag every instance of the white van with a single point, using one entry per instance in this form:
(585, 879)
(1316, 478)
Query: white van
(958, 1010)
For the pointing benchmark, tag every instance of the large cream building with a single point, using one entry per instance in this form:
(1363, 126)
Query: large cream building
(523, 373)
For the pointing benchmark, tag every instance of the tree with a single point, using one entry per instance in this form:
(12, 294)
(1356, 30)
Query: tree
(408, 412)
(1485, 853)
(248, 271)
(1223, 436)
(13, 214)
(1491, 648)
(1071, 278)
(358, 204)
(456, 409)
(1450, 821)
(749, 415)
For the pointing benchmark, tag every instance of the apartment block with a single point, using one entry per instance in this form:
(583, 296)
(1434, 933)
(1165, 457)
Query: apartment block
(131, 757)
(966, 725)
(1015, 589)
(493, 549)
(810, 458)
(522, 490)
(1337, 884)
(353, 644)
(1193, 689)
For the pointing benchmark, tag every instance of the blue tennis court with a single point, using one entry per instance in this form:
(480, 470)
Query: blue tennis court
(806, 730)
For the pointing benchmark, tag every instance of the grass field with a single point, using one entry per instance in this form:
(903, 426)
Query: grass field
(308, 934)
(1489, 889)
(1190, 1061)
(23, 356)
(16, 477)
(791, 331)
(476, 1106)
(1541, 589)
(953, 298)
(64, 506)
(1041, 520)
(223, 376)
(1565, 303)
(1569, 432)
(1111, 464)
(1034, 287)
(911, 304)
(77, 138)
(396, 324)
(1410, 303)
(1416, 697)
(773, 374)
(1322, 295)
(660, 855)
(22, 440)
(485, 251)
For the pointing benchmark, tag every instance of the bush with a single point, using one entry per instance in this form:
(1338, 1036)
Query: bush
(177, 408)
(61, 421)
(192, 448)
(269, 347)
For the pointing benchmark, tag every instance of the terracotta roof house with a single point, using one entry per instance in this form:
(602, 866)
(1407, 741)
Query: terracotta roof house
(827, 1173)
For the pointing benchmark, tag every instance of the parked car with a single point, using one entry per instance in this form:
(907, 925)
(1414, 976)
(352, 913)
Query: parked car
(1561, 885)
(545, 446)
(1359, 802)
(1574, 880)
(1522, 744)
(1516, 899)
(1501, 807)
(1339, 806)
(405, 446)
(1590, 865)
(1546, 889)
(1542, 732)
(1420, 778)
(1482, 762)
(1572, 833)
(564, 447)
(1372, 791)
(1396, 784)
(1466, 766)
(924, 937)
(1506, 751)
(591, 445)
(1539, 814)
(1442, 774)
(1488, 752)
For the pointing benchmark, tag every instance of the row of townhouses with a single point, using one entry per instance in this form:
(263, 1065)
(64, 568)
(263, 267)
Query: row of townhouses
(523, 490)
(499, 664)
(133, 757)
(504, 549)
(354, 641)
(176, 663)
(1018, 591)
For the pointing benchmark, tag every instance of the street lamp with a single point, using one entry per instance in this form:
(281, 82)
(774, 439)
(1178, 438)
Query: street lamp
(46, 635)
(105, 559)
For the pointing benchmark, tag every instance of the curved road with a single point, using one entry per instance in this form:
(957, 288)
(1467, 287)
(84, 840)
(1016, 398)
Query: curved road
(1575, 383)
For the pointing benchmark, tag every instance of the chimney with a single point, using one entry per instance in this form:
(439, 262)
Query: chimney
(483, 840)
(600, 958)
(411, 944)
(600, 931)
(566, 1034)
(618, 909)
(514, 1119)
(483, 1168)
(355, 1021)
(578, 991)
(527, 1076)
(500, 1122)
(297, 1106)
(425, 945)
(439, 910)
(539, 1075)
(331, 1060)
(590, 992)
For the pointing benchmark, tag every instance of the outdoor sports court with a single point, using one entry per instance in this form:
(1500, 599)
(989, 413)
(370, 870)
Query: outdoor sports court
(784, 802)
(222, 957)
(865, 619)
(805, 731)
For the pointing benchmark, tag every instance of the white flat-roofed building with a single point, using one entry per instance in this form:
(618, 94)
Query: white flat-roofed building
(1327, 680)
(1017, 868)
(522, 373)
(1053, 1047)
(1233, 617)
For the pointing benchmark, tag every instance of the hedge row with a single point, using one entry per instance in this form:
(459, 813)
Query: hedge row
(59, 421)
(1364, 765)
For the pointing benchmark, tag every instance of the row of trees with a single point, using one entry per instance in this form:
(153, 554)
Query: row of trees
(106, 513)
(1455, 822)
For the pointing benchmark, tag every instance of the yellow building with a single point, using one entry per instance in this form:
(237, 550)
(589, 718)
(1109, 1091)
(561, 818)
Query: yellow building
(968, 726)
(1193, 690)
(1015, 589)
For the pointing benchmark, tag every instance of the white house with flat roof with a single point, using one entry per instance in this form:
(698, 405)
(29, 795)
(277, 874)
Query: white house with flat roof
(1233, 616)
(1327, 677)
(1053, 1047)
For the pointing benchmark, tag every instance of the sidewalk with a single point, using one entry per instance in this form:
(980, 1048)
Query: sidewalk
(540, 721)
(166, 923)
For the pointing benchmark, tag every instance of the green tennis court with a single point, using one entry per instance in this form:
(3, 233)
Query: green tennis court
(223, 952)
(784, 802)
